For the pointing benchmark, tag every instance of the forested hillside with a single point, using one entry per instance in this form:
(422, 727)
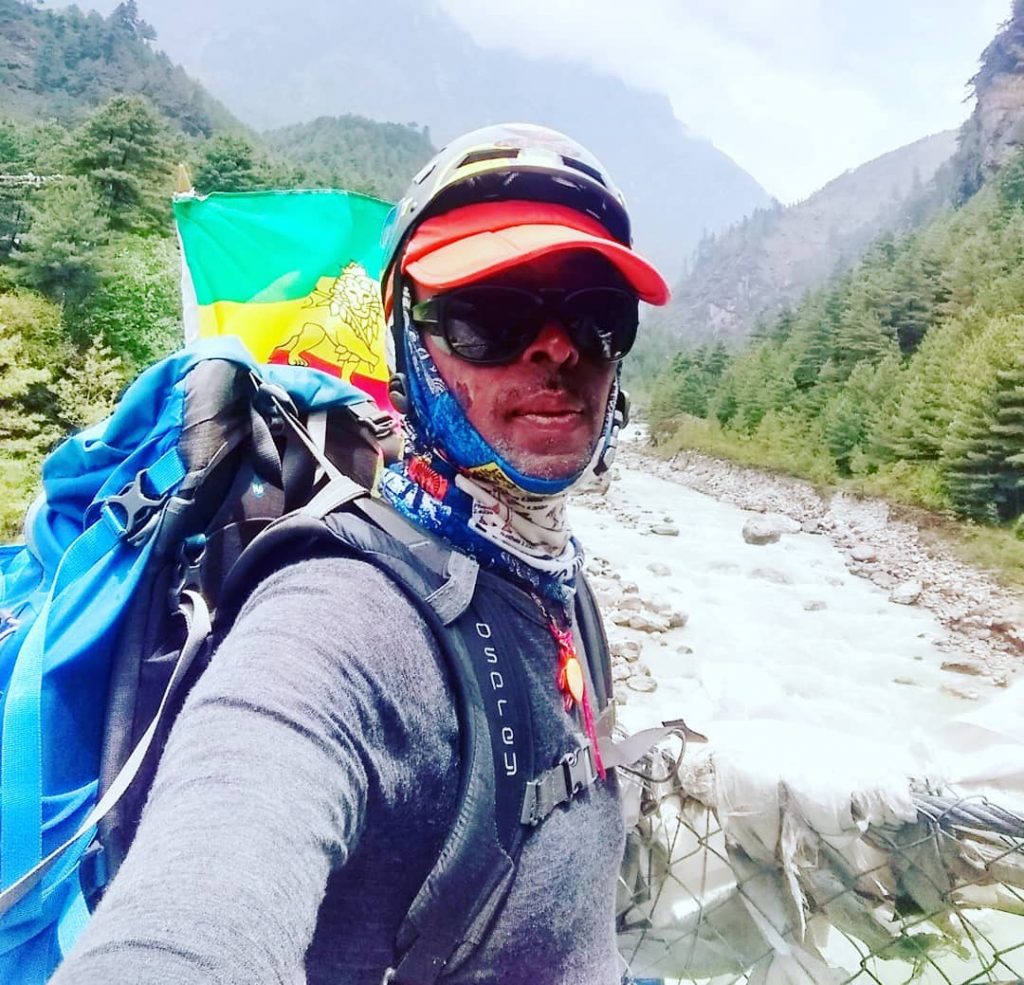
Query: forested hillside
(60, 64)
(771, 259)
(907, 376)
(93, 122)
(353, 152)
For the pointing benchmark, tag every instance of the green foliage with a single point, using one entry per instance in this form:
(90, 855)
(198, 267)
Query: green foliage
(134, 306)
(123, 149)
(25, 431)
(36, 322)
(984, 448)
(56, 254)
(686, 384)
(906, 377)
(354, 153)
(59, 64)
(88, 388)
(230, 162)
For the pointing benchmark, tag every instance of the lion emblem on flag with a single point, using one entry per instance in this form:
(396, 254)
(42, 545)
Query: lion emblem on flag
(350, 328)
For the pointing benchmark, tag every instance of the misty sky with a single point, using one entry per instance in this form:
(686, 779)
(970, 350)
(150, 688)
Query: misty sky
(795, 91)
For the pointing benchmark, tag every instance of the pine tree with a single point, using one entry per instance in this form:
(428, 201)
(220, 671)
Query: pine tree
(122, 149)
(983, 471)
(1007, 437)
(57, 254)
(230, 163)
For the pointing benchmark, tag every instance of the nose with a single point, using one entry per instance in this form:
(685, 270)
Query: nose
(552, 344)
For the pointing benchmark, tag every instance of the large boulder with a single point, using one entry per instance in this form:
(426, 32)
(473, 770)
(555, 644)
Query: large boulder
(760, 531)
(907, 593)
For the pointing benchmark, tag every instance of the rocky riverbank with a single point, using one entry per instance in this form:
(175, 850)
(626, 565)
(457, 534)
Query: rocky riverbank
(983, 621)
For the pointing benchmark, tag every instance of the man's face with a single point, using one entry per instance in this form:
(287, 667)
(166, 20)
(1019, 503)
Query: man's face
(544, 411)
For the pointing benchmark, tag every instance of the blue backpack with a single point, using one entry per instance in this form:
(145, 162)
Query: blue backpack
(125, 517)
(151, 526)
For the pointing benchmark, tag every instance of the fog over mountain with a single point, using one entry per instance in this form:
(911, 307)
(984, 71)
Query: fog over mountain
(768, 262)
(405, 60)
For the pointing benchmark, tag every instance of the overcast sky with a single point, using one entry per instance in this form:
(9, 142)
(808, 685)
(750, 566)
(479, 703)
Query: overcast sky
(795, 91)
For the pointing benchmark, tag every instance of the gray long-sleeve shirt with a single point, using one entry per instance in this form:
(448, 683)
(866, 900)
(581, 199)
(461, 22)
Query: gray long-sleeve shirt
(304, 794)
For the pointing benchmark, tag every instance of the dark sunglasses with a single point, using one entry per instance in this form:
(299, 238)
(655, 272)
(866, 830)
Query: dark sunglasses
(492, 324)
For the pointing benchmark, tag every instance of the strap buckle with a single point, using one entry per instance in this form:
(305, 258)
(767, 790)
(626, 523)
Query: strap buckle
(575, 772)
(380, 423)
(140, 510)
(578, 767)
(273, 403)
(188, 573)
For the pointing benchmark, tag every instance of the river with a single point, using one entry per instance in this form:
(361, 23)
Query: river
(783, 635)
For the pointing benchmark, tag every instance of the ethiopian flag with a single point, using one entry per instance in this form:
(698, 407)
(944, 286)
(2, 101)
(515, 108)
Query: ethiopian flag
(295, 274)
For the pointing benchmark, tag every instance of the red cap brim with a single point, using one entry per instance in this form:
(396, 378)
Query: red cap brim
(480, 241)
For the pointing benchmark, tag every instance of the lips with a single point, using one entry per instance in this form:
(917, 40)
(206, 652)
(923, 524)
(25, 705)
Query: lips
(548, 405)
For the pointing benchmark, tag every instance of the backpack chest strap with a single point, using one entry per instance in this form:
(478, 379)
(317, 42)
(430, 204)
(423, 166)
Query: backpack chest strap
(558, 785)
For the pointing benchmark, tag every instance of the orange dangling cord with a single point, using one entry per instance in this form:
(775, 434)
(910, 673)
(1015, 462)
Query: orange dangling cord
(571, 684)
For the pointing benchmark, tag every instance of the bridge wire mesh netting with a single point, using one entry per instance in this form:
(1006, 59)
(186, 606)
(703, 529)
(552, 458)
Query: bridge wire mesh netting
(934, 898)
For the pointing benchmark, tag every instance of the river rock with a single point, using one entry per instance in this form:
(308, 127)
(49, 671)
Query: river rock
(659, 570)
(647, 622)
(760, 531)
(815, 605)
(784, 523)
(642, 684)
(964, 693)
(884, 580)
(664, 529)
(628, 650)
(969, 667)
(677, 619)
(864, 554)
(907, 593)
(631, 603)
(621, 672)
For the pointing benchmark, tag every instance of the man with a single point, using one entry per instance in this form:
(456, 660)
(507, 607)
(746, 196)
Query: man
(313, 776)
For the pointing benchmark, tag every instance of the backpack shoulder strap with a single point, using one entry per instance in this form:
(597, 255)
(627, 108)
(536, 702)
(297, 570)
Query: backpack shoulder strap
(471, 877)
(594, 641)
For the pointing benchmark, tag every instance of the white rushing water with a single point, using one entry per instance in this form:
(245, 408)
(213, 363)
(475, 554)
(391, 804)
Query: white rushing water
(781, 631)
(788, 655)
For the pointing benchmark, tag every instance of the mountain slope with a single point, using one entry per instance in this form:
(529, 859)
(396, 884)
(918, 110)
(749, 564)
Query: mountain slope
(329, 150)
(774, 257)
(61, 64)
(995, 131)
(404, 60)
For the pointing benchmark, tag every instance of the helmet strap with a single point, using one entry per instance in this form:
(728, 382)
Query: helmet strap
(619, 420)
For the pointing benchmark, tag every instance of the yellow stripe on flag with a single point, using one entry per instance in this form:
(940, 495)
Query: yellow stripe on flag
(339, 324)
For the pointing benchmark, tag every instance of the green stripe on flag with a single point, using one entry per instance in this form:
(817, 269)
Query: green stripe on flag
(275, 245)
